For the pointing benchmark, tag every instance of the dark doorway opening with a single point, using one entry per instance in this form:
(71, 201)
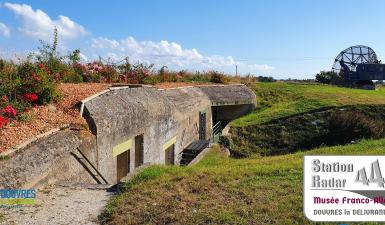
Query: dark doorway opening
(139, 151)
(123, 165)
(169, 155)
(202, 125)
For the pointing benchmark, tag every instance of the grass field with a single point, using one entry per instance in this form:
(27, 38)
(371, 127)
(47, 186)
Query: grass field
(253, 190)
(277, 100)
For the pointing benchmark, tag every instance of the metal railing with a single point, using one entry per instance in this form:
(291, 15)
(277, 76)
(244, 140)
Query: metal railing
(216, 132)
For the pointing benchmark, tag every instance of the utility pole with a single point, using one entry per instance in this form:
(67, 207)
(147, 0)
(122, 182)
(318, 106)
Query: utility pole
(236, 70)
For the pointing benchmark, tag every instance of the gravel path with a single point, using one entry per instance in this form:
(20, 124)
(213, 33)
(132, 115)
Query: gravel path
(61, 205)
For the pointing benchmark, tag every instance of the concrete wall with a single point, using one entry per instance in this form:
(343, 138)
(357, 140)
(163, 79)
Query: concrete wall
(161, 116)
(48, 160)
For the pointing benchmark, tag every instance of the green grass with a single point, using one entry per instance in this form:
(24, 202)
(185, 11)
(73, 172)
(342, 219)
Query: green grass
(277, 100)
(220, 190)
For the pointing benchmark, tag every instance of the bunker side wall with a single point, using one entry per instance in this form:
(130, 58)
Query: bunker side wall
(48, 161)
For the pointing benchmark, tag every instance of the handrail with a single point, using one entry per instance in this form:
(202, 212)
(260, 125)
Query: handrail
(217, 129)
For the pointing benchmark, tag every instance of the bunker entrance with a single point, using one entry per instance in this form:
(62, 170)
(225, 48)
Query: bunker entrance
(226, 113)
(169, 155)
(139, 151)
(222, 115)
(123, 165)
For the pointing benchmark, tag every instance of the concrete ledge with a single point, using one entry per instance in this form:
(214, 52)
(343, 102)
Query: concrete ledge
(32, 140)
(200, 156)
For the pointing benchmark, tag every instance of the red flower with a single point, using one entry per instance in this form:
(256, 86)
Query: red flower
(41, 65)
(37, 78)
(3, 121)
(9, 111)
(30, 97)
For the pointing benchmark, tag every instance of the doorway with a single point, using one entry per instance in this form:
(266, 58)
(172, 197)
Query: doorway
(123, 165)
(202, 125)
(139, 151)
(169, 155)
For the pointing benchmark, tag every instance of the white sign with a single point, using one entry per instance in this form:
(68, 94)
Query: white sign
(344, 188)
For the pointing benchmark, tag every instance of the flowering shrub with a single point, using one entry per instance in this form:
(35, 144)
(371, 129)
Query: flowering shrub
(38, 83)
(30, 97)
(9, 111)
(3, 122)
(137, 74)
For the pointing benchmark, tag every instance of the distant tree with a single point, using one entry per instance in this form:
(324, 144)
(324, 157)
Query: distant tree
(328, 77)
(265, 79)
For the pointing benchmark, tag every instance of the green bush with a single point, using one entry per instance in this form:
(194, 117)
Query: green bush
(216, 77)
(329, 77)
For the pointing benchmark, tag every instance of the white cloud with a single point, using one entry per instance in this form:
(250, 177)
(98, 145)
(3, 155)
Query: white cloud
(171, 54)
(262, 67)
(4, 30)
(37, 24)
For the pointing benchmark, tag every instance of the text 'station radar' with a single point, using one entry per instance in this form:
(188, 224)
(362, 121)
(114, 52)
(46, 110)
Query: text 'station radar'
(344, 188)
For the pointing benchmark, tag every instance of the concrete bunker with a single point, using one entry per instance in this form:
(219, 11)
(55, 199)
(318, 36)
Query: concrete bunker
(140, 126)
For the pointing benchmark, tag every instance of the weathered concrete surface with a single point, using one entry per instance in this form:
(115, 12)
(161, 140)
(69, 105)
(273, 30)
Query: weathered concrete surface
(123, 113)
(48, 160)
(188, 102)
(236, 94)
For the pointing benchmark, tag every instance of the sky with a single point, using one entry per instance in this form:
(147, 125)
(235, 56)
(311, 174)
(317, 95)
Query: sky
(284, 39)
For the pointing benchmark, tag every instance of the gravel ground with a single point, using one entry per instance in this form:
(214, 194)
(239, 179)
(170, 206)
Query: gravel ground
(45, 118)
(61, 205)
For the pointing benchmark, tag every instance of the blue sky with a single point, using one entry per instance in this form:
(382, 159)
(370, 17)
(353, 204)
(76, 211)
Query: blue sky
(283, 39)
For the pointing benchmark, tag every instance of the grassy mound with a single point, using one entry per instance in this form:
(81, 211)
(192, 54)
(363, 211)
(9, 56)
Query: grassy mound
(292, 117)
(280, 100)
(220, 190)
(335, 126)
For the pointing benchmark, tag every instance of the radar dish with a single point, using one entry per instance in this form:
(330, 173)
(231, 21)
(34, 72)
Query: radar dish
(350, 57)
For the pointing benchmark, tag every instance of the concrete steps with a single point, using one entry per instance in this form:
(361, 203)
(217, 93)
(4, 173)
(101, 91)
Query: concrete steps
(191, 151)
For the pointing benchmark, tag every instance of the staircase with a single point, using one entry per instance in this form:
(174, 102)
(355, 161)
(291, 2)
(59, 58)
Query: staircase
(191, 151)
(87, 165)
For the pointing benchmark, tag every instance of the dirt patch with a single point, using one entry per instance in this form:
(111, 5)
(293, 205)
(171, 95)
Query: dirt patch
(61, 205)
